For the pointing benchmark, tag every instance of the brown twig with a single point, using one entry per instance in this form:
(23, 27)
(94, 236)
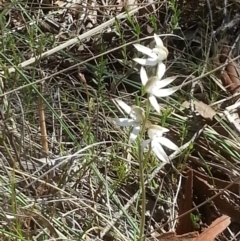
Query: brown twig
(43, 124)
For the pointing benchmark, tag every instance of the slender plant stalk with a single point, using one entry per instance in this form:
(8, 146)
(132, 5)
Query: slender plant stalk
(141, 174)
(142, 186)
(43, 124)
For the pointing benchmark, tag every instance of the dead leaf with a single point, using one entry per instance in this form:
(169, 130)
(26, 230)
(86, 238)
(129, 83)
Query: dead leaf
(230, 76)
(185, 204)
(218, 226)
(171, 236)
(218, 183)
(42, 220)
(185, 105)
(203, 109)
(222, 202)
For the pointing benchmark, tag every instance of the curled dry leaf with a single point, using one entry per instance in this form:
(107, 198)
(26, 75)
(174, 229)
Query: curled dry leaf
(217, 181)
(230, 77)
(218, 226)
(226, 204)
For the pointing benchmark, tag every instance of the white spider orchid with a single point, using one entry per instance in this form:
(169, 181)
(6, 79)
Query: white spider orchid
(156, 55)
(137, 116)
(156, 141)
(154, 85)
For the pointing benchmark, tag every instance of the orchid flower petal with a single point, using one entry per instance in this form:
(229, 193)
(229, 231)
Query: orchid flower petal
(161, 52)
(164, 92)
(143, 75)
(161, 69)
(162, 83)
(134, 133)
(160, 49)
(145, 50)
(158, 40)
(138, 114)
(158, 151)
(124, 121)
(169, 144)
(151, 84)
(154, 103)
(147, 62)
(126, 108)
(145, 143)
(155, 131)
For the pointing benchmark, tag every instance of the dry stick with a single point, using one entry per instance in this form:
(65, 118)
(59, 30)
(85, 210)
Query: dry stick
(208, 73)
(225, 12)
(225, 99)
(75, 40)
(136, 195)
(109, 51)
(231, 24)
(43, 124)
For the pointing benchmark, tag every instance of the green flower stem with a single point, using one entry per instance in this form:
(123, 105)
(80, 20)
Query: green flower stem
(142, 163)
(141, 175)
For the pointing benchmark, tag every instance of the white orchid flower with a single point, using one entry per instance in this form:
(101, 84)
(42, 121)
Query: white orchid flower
(156, 142)
(154, 85)
(155, 55)
(137, 116)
